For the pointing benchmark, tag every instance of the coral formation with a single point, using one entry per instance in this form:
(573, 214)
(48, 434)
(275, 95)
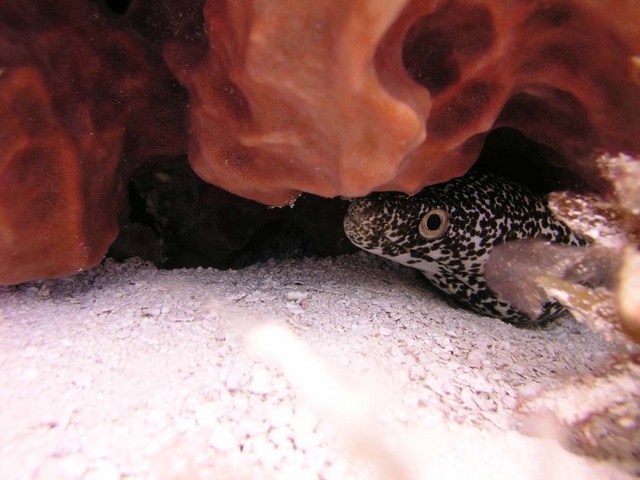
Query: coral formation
(82, 103)
(343, 98)
(597, 283)
(595, 414)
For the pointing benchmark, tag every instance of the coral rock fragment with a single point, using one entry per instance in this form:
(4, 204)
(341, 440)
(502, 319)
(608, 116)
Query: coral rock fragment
(598, 414)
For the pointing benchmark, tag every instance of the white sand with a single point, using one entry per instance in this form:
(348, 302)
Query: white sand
(131, 372)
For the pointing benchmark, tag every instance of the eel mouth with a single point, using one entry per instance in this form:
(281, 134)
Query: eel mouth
(357, 222)
(365, 226)
(393, 248)
(363, 232)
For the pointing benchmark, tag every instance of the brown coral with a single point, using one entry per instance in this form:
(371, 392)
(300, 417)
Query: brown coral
(81, 104)
(342, 98)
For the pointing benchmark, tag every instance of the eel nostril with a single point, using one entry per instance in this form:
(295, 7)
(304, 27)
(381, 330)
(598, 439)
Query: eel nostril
(360, 210)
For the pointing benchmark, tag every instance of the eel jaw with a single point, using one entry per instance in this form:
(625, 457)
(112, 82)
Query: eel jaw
(408, 257)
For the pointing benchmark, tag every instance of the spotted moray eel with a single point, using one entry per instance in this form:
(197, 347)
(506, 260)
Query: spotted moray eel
(448, 230)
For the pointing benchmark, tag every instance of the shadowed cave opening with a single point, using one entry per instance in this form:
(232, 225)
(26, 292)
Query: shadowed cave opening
(176, 220)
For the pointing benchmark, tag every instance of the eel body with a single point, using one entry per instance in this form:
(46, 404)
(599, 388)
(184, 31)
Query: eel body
(447, 232)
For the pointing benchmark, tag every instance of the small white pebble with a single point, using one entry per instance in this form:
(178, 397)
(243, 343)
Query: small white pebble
(82, 380)
(315, 459)
(480, 385)
(265, 451)
(233, 381)
(385, 331)
(363, 329)
(280, 436)
(297, 473)
(475, 359)
(207, 415)
(260, 383)
(151, 311)
(509, 402)
(335, 470)
(303, 425)
(296, 296)
(30, 374)
(295, 308)
(222, 439)
(417, 372)
(103, 471)
(626, 422)
(70, 466)
(281, 415)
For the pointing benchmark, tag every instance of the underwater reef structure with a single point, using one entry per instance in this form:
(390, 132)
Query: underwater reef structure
(344, 98)
(164, 124)
(82, 105)
(271, 100)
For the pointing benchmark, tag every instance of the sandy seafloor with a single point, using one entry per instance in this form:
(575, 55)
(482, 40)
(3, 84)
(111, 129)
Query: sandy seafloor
(291, 369)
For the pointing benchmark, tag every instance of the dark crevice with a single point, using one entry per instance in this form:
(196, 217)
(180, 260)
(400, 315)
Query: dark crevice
(510, 154)
(119, 7)
(176, 220)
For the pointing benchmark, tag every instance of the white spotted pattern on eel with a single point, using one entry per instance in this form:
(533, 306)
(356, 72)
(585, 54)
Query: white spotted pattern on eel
(448, 230)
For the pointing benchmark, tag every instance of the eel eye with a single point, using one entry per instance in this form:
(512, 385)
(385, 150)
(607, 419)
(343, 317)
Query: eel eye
(434, 224)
